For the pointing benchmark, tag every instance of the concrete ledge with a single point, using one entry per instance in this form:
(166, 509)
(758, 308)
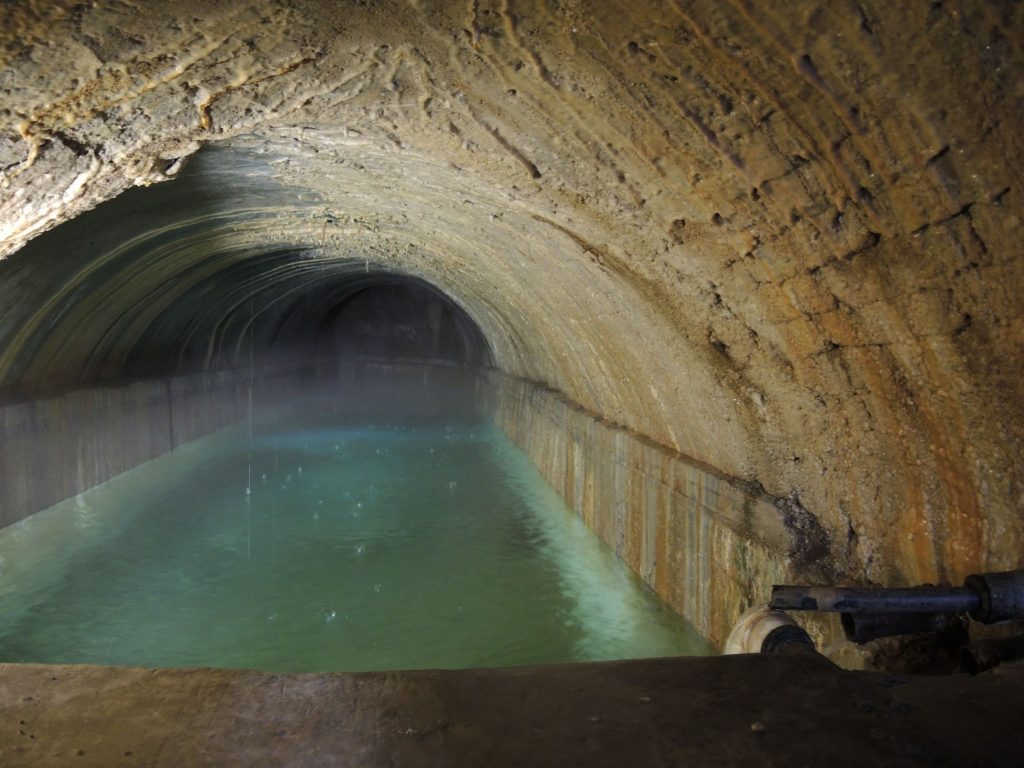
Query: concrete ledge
(739, 710)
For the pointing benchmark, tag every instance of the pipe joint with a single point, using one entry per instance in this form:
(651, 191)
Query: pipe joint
(1001, 596)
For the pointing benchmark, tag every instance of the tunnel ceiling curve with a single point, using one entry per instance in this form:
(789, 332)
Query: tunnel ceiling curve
(779, 237)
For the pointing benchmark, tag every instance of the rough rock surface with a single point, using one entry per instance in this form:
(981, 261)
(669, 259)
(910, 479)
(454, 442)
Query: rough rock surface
(736, 710)
(779, 237)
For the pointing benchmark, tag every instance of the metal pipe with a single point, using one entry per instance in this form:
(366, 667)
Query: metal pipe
(1001, 596)
(862, 628)
(988, 598)
(876, 600)
(787, 639)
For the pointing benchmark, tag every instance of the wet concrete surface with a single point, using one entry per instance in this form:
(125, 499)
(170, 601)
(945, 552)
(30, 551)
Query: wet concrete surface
(740, 710)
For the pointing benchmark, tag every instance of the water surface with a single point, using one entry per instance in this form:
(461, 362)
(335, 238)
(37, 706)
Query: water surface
(357, 546)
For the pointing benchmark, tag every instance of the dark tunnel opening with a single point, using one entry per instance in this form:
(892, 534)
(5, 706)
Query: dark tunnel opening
(332, 314)
(400, 317)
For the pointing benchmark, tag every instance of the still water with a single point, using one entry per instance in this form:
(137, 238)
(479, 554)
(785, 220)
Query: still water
(311, 542)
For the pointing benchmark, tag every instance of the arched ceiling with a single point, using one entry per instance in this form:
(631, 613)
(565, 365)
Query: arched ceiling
(780, 237)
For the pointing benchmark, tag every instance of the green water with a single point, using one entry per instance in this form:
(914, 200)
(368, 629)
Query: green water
(359, 547)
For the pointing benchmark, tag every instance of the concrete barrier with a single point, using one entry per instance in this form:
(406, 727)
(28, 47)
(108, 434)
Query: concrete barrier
(706, 544)
(54, 447)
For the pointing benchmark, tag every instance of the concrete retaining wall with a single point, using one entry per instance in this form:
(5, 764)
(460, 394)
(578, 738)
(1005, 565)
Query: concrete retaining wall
(55, 447)
(706, 544)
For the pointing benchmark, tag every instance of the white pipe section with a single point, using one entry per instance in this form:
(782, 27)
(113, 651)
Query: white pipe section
(753, 627)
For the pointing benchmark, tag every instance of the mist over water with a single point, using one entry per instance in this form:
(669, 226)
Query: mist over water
(385, 526)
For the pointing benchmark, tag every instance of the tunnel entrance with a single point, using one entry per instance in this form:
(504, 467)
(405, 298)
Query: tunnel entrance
(363, 512)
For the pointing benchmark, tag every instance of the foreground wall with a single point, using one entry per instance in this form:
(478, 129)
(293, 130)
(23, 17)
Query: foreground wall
(55, 447)
(708, 545)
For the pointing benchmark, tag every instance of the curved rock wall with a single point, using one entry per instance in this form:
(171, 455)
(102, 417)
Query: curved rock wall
(779, 237)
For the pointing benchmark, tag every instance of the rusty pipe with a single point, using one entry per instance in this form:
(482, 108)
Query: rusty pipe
(862, 628)
(1001, 595)
(876, 599)
(988, 598)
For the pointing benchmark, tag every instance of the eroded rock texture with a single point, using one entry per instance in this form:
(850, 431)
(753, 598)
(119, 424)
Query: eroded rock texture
(781, 238)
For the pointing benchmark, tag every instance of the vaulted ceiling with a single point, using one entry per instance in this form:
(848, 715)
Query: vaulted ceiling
(780, 237)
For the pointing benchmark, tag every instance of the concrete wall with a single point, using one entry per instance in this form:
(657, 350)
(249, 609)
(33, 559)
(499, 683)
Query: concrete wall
(706, 544)
(54, 447)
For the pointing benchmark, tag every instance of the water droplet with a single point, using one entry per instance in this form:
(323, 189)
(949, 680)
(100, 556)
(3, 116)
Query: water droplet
(360, 549)
(330, 616)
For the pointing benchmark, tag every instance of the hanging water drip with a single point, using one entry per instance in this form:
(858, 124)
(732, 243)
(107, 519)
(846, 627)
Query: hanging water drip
(248, 487)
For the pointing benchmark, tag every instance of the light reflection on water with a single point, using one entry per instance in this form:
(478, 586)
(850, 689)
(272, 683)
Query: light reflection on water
(357, 547)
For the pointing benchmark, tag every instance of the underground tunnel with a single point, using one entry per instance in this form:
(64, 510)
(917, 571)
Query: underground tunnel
(724, 295)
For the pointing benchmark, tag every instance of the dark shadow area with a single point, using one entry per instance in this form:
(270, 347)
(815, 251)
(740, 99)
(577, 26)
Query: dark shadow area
(401, 318)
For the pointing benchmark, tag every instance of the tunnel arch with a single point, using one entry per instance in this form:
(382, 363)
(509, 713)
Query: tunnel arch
(777, 238)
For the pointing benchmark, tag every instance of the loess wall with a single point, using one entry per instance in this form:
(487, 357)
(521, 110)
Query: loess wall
(779, 239)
